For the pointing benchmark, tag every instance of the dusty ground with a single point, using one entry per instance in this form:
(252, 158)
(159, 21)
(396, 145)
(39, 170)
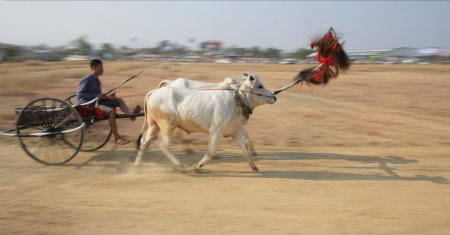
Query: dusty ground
(367, 154)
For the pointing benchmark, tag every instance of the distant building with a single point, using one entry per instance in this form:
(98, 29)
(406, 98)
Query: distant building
(129, 51)
(399, 54)
(288, 61)
(395, 55)
(211, 45)
(76, 58)
(145, 56)
(431, 51)
(46, 55)
(364, 54)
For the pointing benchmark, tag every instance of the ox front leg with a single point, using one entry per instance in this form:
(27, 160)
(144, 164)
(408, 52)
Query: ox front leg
(212, 147)
(241, 140)
(251, 149)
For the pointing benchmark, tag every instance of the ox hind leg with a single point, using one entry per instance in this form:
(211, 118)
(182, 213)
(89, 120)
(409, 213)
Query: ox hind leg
(149, 136)
(167, 129)
(242, 141)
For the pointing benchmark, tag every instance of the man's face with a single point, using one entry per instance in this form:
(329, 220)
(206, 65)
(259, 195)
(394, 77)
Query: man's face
(98, 69)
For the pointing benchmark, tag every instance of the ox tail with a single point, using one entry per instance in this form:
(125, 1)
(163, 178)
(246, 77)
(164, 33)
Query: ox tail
(164, 83)
(138, 141)
(145, 125)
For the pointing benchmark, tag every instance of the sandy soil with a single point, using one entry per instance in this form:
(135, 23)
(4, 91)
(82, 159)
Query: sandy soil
(367, 154)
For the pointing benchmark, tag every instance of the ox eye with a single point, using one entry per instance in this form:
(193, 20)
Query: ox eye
(260, 87)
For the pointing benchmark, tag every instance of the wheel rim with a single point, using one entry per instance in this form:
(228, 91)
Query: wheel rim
(50, 115)
(96, 135)
(71, 99)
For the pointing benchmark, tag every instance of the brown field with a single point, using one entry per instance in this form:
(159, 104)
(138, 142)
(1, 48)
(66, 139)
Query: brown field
(366, 154)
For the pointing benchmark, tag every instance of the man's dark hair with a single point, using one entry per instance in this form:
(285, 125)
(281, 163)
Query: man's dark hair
(95, 62)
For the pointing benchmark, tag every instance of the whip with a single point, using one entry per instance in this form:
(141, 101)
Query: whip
(129, 79)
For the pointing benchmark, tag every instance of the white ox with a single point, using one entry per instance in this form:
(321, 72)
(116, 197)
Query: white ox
(226, 84)
(218, 111)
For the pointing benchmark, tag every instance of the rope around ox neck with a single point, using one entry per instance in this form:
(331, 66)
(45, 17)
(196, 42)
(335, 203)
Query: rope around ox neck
(245, 108)
(241, 102)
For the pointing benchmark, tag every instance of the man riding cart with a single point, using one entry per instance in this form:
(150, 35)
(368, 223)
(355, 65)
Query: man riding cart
(90, 88)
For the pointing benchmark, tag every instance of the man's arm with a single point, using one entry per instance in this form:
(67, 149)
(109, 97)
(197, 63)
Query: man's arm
(85, 87)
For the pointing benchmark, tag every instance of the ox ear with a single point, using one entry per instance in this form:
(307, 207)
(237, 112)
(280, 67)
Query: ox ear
(251, 81)
(249, 76)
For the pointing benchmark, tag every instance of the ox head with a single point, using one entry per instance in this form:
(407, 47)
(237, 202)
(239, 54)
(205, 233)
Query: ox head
(255, 91)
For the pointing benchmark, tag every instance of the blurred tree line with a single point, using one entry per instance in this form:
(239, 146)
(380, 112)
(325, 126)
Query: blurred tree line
(81, 46)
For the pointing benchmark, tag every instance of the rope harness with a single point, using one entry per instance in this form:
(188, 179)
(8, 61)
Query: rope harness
(240, 99)
(242, 104)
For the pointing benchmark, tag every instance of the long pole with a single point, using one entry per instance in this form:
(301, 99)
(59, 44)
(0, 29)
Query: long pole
(117, 87)
(299, 78)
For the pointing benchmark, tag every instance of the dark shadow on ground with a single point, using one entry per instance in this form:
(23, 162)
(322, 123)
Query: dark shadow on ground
(122, 160)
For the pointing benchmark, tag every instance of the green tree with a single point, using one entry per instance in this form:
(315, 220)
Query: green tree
(301, 53)
(176, 50)
(11, 52)
(163, 45)
(107, 50)
(240, 51)
(82, 46)
(256, 52)
(272, 53)
(204, 46)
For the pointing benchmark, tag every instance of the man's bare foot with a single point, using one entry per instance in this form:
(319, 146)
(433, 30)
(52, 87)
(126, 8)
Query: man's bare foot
(122, 141)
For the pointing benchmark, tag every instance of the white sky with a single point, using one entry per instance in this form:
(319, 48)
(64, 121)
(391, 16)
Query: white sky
(287, 25)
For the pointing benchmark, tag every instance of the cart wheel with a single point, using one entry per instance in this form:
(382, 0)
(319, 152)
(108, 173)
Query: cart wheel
(96, 135)
(50, 131)
(71, 99)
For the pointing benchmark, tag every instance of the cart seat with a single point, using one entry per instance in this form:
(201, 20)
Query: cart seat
(91, 112)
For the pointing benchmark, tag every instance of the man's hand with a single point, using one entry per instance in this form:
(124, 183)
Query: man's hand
(112, 96)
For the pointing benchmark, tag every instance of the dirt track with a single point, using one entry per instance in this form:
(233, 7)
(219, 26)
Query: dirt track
(367, 154)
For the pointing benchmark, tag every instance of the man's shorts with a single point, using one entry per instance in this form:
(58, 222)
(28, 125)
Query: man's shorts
(108, 105)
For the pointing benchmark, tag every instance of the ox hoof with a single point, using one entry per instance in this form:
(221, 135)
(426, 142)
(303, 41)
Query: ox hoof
(254, 154)
(254, 168)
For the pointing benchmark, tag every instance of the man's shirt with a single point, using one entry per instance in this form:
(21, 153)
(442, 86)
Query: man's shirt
(89, 88)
